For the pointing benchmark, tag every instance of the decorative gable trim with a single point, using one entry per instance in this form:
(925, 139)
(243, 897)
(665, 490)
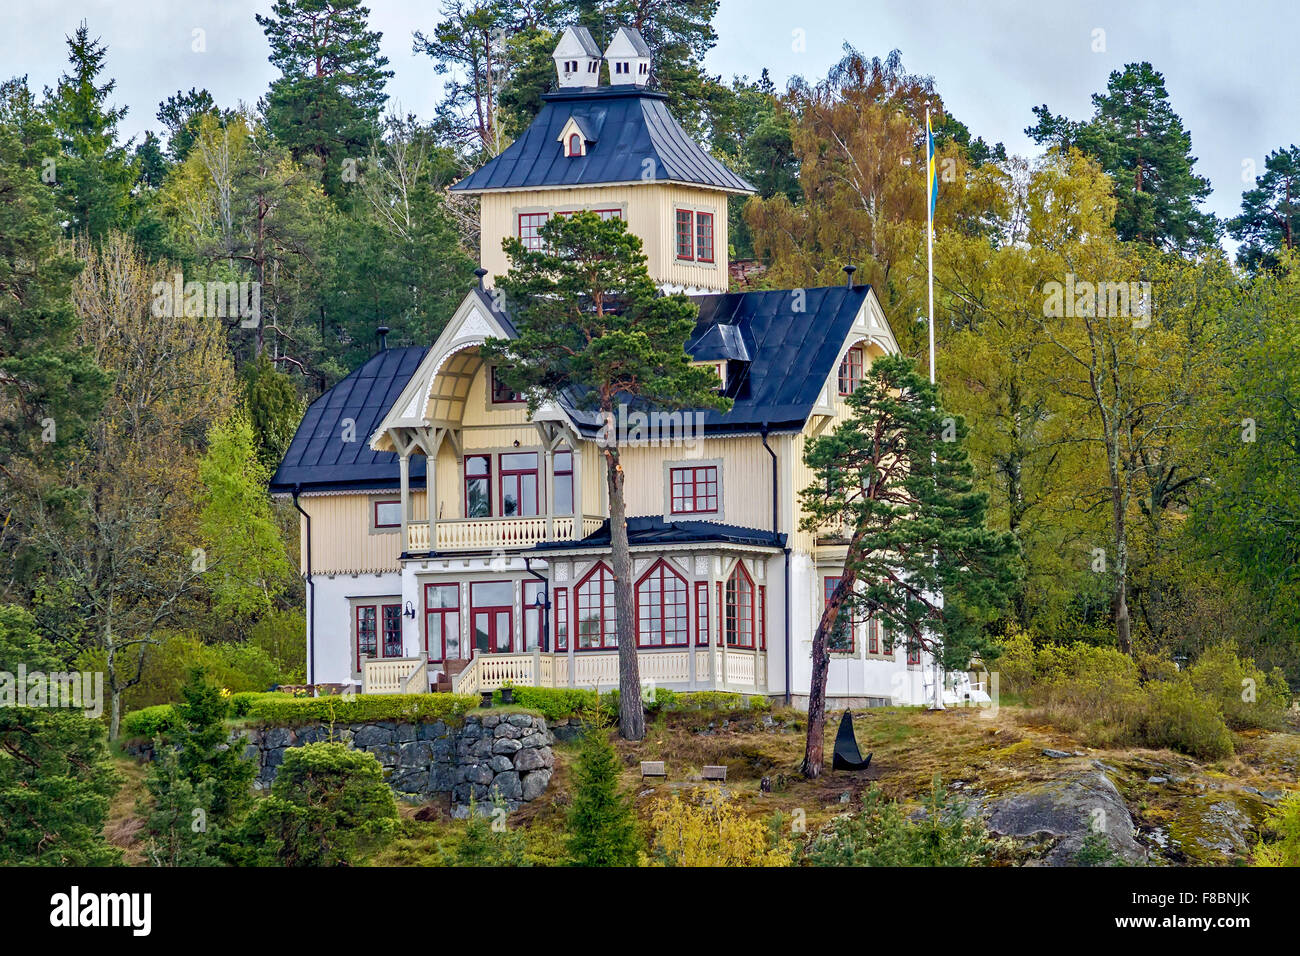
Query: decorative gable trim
(574, 135)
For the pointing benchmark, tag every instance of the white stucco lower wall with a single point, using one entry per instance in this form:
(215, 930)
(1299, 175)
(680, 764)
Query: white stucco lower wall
(333, 625)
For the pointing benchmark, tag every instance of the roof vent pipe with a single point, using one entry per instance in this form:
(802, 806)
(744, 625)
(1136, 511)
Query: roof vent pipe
(480, 272)
(382, 332)
(848, 271)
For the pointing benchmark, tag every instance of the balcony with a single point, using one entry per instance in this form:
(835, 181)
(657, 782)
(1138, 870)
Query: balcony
(474, 534)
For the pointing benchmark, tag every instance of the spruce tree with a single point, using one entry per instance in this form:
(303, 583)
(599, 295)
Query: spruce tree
(1270, 212)
(205, 755)
(602, 828)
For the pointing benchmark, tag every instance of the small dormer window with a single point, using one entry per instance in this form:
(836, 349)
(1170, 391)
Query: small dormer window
(570, 66)
(645, 68)
(575, 145)
(620, 66)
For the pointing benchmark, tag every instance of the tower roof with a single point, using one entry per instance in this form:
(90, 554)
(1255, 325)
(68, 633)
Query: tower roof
(637, 141)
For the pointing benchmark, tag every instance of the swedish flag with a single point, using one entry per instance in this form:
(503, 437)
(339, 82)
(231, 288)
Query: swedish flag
(929, 153)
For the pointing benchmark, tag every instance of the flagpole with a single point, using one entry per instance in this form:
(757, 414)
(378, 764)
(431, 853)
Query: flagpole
(936, 702)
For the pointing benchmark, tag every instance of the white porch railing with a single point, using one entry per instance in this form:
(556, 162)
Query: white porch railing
(473, 533)
(395, 675)
(742, 671)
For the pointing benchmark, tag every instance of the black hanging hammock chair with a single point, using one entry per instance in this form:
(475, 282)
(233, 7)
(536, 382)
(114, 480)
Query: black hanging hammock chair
(847, 756)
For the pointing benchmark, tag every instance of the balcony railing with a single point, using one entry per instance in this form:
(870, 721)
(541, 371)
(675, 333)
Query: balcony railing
(476, 533)
(737, 669)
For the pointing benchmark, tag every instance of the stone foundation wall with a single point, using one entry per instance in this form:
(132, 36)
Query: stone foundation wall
(508, 753)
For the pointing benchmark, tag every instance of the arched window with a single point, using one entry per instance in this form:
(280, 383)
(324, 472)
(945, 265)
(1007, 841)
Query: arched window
(597, 621)
(738, 609)
(575, 144)
(661, 608)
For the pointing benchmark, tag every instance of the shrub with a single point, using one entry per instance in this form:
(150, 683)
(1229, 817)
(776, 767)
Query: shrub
(1178, 717)
(881, 834)
(326, 804)
(1283, 821)
(282, 636)
(241, 703)
(1247, 696)
(1016, 662)
(712, 832)
(149, 722)
(200, 733)
(488, 844)
(602, 827)
(279, 709)
(171, 816)
(553, 703)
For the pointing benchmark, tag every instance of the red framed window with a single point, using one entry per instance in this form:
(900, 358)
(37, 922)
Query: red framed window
(562, 467)
(532, 616)
(561, 601)
(501, 395)
(597, 621)
(575, 144)
(442, 623)
(609, 213)
(388, 514)
(379, 631)
(530, 224)
(704, 236)
(701, 614)
(841, 638)
(851, 371)
(873, 636)
(914, 655)
(762, 617)
(520, 486)
(478, 486)
(694, 490)
(685, 234)
(738, 611)
(662, 608)
(491, 609)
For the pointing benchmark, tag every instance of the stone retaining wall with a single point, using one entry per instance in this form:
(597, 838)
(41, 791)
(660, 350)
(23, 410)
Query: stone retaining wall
(509, 753)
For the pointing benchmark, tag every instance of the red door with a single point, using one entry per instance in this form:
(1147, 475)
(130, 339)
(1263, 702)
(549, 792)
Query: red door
(492, 616)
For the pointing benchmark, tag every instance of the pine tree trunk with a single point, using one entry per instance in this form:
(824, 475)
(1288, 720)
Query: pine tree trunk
(631, 714)
(815, 749)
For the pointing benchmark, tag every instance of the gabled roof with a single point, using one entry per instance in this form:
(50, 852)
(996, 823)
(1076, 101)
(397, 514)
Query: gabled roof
(782, 346)
(631, 39)
(319, 459)
(585, 41)
(632, 126)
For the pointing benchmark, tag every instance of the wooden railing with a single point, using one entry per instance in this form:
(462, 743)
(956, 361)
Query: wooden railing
(395, 675)
(744, 671)
(474, 533)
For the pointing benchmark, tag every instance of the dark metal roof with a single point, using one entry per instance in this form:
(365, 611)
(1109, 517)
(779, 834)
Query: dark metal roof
(782, 347)
(628, 125)
(653, 530)
(320, 460)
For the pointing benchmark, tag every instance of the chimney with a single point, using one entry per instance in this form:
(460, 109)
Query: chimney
(382, 331)
(848, 271)
(480, 272)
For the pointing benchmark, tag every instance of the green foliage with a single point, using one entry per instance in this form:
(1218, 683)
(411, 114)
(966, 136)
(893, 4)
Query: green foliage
(558, 703)
(487, 840)
(272, 409)
(1177, 716)
(1283, 825)
(1140, 142)
(881, 833)
(248, 566)
(1270, 212)
(282, 636)
(713, 831)
(362, 708)
(602, 826)
(204, 755)
(1097, 851)
(896, 478)
(55, 777)
(1247, 696)
(149, 722)
(177, 816)
(328, 803)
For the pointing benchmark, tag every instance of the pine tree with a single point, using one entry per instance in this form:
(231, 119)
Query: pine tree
(896, 478)
(325, 106)
(177, 816)
(1140, 142)
(602, 826)
(1270, 212)
(594, 329)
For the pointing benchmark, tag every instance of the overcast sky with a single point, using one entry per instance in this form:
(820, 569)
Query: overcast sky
(1230, 71)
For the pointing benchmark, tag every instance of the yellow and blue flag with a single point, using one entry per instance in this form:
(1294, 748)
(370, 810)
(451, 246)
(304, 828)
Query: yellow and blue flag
(933, 172)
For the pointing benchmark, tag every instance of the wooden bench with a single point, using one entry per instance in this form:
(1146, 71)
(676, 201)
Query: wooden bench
(714, 773)
(653, 768)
